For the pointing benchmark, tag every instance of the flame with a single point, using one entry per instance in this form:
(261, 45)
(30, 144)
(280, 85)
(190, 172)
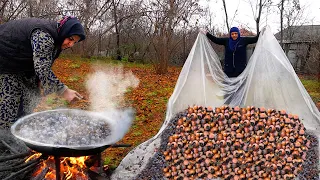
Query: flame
(70, 167)
(73, 166)
(33, 156)
(79, 161)
(50, 175)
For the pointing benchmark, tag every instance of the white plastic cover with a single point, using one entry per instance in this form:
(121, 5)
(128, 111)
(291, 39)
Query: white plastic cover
(268, 81)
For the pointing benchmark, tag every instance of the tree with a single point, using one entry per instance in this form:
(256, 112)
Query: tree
(258, 7)
(225, 11)
(11, 9)
(94, 15)
(166, 17)
(281, 22)
(260, 11)
(115, 5)
(132, 29)
(290, 10)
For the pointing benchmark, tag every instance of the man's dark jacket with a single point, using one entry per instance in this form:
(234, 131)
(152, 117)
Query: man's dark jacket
(15, 43)
(234, 61)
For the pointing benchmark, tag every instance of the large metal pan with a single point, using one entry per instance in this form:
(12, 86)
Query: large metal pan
(67, 150)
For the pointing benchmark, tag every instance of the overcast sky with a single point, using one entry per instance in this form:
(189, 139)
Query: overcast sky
(244, 17)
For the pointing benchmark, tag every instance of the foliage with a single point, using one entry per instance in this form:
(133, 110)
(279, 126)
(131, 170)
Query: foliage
(312, 85)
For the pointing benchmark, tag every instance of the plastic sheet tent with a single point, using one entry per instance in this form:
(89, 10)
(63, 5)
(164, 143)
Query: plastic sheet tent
(268, 81)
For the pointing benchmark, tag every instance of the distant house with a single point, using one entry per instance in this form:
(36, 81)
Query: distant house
(301, 45)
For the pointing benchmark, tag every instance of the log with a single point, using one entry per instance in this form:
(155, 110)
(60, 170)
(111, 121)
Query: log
(41, 175)
(15, 156)
(13, 168)
(94, 175)
(9, 147)
(15, 163)
(92, 160)
(25, 170)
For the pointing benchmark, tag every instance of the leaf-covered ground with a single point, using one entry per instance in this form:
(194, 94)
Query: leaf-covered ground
(149, 99)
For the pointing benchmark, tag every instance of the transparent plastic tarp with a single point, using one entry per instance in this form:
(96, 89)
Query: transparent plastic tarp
(268, 81)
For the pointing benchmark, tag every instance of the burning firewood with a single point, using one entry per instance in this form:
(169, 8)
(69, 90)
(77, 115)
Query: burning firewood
(13, 156)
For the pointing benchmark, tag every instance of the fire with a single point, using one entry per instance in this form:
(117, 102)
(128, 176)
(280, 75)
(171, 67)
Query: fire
(50, 175)
(34, 156)
(74, 166)
(80, 161)
(70, 167)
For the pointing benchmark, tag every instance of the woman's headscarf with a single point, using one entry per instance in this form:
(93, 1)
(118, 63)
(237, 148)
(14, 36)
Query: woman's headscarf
(69, 26)
(233, 43)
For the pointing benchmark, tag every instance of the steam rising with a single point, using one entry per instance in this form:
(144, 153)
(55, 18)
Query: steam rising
(59, 127)
(107, 87)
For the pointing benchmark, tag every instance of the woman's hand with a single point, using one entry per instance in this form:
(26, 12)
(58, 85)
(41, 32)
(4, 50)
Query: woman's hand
(71, 95)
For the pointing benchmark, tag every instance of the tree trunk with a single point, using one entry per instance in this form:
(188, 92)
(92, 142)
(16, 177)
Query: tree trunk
(319, 68)
(281, 24)
(304, 62)
(163, 68)
(118, 52)
(100, 43)
(84, 44)
(184, 47)
(165, 39)
(86, 51)
(30, 9)
(286, 48)
(161, 64)
(259, 16)
(225, 11)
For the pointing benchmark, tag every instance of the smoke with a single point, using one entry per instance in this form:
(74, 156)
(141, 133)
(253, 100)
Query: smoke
(107, 86)
(120, 121)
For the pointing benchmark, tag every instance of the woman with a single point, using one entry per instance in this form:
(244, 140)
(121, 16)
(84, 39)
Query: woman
(28, 50)
(235, 56)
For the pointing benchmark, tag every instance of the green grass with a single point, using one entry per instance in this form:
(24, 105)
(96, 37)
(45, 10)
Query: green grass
(53, 101)
(134, 126)
(152, 94)
(75, 65)
(129, 90)
(137, 133)
(149, 101)
(136, 143)
(311, 85)
(109, 60)
(73, 78)
(315, 96)
(107, 160)
(313, 88)
(140, 118)
(73, 57)
(50, 101)
(165, 99)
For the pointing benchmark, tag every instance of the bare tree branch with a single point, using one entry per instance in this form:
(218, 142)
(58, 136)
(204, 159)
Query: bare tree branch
(225, 11)
(235, 13)
(281, 22)
(13, 13)
(259, 16)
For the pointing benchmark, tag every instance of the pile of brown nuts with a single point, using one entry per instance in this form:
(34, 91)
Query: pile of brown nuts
(236, 143)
